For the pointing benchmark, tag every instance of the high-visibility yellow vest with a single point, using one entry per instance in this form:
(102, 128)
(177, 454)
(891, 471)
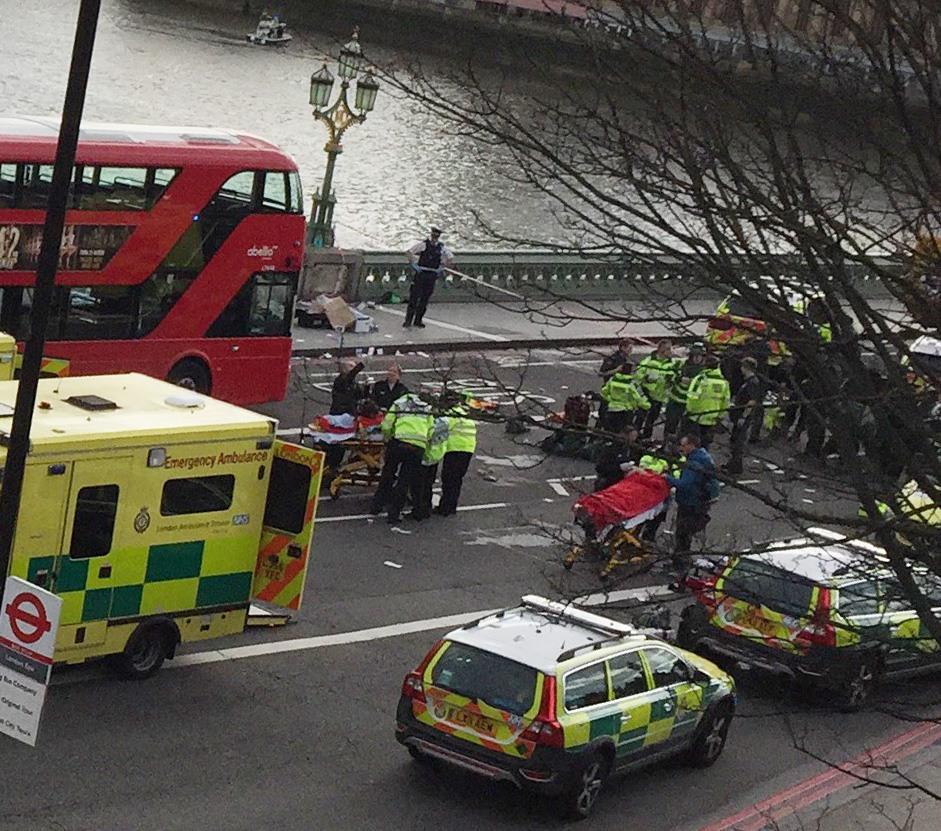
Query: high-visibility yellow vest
(655, 376)
(653, 463)
(708, 398)
(408, 420)
(685, 374)
(622, 394)
(915, 505)
(462, 432)
(437, 442)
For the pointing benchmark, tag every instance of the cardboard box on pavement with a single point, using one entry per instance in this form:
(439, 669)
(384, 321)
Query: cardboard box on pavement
(338, 313)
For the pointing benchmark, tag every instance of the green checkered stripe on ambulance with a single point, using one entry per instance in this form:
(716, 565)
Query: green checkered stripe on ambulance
(159, 579)
(651, 721)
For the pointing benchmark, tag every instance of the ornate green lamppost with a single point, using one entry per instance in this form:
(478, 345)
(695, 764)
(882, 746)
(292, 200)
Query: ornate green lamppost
(339, 118)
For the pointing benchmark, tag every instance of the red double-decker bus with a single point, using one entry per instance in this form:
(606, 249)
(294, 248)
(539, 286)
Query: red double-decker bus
(180, 256)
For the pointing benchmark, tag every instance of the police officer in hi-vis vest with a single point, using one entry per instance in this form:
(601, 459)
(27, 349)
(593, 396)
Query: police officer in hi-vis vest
(428, 258)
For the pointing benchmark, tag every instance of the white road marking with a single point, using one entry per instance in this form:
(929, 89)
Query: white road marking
(572, 478)
(557, 487)
(453, 327)
(390, 564)
(215, 656)
(349, 517)
(749, 481)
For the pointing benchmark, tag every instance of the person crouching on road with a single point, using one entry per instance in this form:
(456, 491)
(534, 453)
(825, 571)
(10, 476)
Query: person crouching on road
(654, 376)
(405, 428)
(428, 258)
(461, 444)
(623, 399)
(696, 489)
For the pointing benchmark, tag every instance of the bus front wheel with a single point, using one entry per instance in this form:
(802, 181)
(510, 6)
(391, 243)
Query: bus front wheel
(193, 374)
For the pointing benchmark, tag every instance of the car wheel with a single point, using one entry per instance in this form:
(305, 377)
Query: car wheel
(858, 685)
(711, 737)
(589, 780)
(144, 653)
(193, 374)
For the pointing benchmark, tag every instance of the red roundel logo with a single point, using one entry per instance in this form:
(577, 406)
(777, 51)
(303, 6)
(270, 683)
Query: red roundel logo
(28, 617)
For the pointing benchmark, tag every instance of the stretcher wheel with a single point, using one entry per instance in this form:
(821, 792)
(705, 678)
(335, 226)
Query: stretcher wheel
(571, 556)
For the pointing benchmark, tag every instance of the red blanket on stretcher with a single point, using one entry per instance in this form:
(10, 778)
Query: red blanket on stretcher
(633, 495)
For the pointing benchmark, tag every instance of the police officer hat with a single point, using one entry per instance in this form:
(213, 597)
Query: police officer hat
(435, 230)
(698, 348)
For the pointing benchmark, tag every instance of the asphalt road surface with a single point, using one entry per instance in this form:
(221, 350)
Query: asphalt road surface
(292, 728)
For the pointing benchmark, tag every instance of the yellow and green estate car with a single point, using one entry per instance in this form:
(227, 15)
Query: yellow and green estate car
(556, 699)
(819, 608)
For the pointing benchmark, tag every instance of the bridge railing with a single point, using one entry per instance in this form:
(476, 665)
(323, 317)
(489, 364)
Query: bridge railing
(544, 274)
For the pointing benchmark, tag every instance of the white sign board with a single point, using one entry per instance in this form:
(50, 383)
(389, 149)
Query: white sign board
(29, 620)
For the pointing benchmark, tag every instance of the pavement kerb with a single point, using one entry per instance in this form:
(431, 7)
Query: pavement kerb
(486, 346)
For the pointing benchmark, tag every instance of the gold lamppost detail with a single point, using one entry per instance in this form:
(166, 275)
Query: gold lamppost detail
(339, 118)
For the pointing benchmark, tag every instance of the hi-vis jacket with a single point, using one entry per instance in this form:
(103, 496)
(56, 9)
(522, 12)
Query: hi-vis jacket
(409, 419)
(708, 398)
(622, 394)
(462, 432)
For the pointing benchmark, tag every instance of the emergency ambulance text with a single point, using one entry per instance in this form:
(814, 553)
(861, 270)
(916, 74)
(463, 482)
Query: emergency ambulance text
(209, 462)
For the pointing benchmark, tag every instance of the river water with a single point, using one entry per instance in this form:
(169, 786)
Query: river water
(173, 63)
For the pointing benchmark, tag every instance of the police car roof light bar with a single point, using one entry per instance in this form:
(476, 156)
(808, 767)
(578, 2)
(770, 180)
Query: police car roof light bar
(587, 619)
(836, 536)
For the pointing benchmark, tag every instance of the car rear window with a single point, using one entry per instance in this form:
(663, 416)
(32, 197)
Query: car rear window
(927, 364)
(755, 581)
(484, 676)
(741, 308)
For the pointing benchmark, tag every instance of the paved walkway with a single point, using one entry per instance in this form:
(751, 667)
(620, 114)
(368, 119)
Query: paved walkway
(487, 326)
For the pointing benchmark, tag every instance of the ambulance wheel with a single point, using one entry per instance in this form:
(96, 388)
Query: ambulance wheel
(145, 652)
(193, 373)
(710, 737)
(581, 798)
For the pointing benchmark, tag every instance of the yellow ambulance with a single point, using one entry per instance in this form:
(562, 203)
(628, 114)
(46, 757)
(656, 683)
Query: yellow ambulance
(158, 515)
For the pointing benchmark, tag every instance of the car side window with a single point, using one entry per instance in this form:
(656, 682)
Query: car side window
(585, 687)
(666, 667)
(627, 675)
(861, 598)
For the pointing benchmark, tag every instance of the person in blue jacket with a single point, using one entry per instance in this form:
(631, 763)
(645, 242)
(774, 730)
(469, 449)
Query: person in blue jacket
(696, 489)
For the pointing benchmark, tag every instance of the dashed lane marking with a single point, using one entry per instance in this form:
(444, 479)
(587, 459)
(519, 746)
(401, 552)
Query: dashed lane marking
(557, 487)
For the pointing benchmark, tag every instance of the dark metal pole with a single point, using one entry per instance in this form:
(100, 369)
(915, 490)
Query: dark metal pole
(18, 447)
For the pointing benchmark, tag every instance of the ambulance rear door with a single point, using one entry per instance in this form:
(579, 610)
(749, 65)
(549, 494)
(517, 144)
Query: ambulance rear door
(290, 508)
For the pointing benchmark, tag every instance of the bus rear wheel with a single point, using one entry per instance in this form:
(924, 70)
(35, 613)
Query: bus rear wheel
(191, 373)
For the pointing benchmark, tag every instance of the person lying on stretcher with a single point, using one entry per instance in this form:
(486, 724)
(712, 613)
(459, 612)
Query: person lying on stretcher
(640, 497)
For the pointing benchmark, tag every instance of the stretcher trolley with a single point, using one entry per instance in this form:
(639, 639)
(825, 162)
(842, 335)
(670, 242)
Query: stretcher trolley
(620, 522)
(353, 446)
